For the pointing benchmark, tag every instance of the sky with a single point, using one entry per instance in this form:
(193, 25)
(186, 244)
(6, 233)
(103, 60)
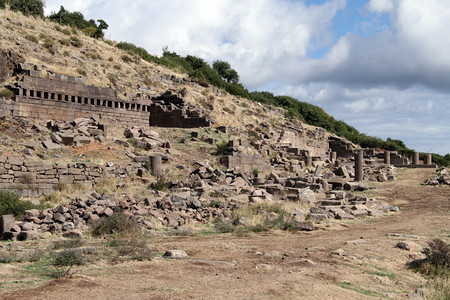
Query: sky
(382, 66)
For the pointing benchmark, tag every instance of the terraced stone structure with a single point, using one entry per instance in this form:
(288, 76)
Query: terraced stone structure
(65, 98)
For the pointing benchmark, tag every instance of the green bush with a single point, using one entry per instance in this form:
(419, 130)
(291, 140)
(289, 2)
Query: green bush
(28, 7)
(10, 204)
(6, 93)
(222, 148)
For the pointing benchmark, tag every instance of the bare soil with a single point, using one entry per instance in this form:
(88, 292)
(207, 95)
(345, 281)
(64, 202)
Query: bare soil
(276, 265)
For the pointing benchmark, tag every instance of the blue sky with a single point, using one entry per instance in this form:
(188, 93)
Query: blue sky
(383, 66)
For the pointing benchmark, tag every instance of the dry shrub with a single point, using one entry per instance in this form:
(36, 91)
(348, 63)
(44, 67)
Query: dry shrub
(117, 224)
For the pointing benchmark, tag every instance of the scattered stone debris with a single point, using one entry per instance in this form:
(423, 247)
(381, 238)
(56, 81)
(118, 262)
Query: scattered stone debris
(442, 177)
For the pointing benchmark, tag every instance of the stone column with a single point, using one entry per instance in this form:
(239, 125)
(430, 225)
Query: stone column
(308, 161)
(359, 166)
(6, 223)
(415, 160)
(387, 157)
(428, 159)
(156, 165)
(333, 156)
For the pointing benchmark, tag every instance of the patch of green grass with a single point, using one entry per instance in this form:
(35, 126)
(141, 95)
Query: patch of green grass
(68, 244)
(352, 287)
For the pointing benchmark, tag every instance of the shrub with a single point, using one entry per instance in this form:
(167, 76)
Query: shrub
(66, 31)
(437, 261)
(222, 148)
(69, 258)
(65, 42)
(161, 184)
(10, 204)
(81, 71)
(126, 58)
(32, 38)
(76, 42)
(117, 223)
(6, 93)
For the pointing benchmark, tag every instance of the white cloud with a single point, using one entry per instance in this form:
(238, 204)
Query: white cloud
(374, 83)
(380, 6)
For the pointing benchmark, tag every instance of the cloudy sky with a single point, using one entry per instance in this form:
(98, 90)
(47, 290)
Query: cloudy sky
(382, 66)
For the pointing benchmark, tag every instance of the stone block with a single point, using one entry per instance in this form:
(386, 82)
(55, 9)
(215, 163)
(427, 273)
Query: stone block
(6, 223)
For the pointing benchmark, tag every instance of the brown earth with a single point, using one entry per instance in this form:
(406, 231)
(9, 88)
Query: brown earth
(277, 265)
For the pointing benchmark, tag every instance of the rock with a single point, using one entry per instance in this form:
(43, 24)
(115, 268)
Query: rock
(355, 242)
(305, 226)
(28, 236)
(27, 226)
(242, 221)
(403, 245)
(31, 214)
(74, 233)
(176, 254)
(6, 223)
(339, 252)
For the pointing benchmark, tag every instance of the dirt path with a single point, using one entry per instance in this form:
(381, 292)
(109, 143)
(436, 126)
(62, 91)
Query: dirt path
(280, 265)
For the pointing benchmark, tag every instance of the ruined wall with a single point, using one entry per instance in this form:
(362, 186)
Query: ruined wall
(298, 144)
(245, 162)
(169, 110)
(37, 178)
(65, 98)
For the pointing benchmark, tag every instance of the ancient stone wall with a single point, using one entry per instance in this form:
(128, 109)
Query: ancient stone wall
(245, 162)
(298, 144)
(65, 98)
(169, 110)
(37, 178)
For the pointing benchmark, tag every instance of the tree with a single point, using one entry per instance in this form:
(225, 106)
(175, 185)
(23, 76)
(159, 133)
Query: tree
(224, 69)
(28, 7)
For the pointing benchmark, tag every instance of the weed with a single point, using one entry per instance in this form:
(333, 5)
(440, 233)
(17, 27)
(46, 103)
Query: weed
(117, 67)
(76, 42)
(66, 53)
(126, 58)
(161, 184)
(10, 257)
(81, 71)
(32, 38)
(228, 110)
(65, 42)
(68, 244)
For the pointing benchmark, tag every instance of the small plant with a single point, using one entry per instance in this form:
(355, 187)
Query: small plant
(66, 31)
(76, 42)
(126, 58)
(161, 184)
(6, 93)
(66, 53)
(117, 67)
(82, 72)
(65, 42)
(117, 223)
(32, 38)
(228, 110)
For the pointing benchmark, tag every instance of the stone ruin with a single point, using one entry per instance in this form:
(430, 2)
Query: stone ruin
(170, 110)
(65, 98)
